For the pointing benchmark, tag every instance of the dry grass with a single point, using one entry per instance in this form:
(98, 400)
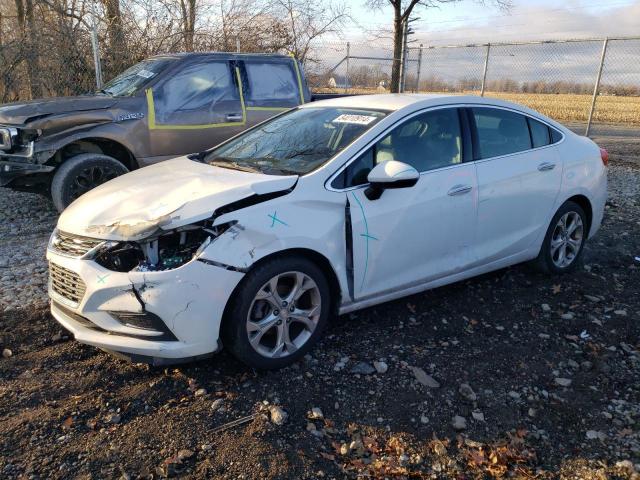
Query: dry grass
(571, 107)
(561, 107)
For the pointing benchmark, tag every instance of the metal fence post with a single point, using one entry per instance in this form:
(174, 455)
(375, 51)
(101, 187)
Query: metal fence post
(238, 44)
(597, 86)
(484, 73)
(417, 89)
(346, 75)
(95, 46)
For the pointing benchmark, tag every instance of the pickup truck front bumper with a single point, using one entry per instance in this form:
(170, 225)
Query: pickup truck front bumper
(13, 169)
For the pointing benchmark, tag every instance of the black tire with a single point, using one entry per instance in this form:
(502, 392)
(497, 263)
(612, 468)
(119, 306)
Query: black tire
(234, 333)
(81, 173)
(545, 260)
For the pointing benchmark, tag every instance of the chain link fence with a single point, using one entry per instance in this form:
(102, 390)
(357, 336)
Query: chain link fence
(582, 82)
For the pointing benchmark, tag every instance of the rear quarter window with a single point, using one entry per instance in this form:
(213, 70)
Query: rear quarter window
(540, 134)
(556, 136)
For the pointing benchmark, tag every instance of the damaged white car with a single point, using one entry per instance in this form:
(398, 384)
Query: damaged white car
(328, 208)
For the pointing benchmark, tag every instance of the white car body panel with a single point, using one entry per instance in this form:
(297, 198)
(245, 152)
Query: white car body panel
(183, 191)
(427, 240)
(515, 201)
(409, 240)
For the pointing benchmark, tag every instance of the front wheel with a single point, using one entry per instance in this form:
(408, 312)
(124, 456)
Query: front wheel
(81, 173)
(563, 243)
(279, 312)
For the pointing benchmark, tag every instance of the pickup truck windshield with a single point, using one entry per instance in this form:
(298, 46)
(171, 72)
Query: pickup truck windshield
(133, 78)
(295, 143)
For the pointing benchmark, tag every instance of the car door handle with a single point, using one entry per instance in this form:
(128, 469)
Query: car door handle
(234, 117)
(459, 190)
(546, 166)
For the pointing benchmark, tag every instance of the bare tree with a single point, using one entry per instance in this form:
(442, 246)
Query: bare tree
(188, 9)
(28, 30)
(402, 11)
(308, 20)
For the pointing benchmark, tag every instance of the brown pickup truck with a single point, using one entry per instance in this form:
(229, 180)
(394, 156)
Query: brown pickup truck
(163, 107)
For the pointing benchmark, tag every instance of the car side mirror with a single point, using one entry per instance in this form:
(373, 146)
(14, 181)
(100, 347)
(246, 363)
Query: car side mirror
(390, 174)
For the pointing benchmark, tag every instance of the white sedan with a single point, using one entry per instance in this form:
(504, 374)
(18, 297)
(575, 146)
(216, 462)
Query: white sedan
(325, 209)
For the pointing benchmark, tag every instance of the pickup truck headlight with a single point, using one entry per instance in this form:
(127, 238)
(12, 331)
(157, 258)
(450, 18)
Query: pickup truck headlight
(7, 137)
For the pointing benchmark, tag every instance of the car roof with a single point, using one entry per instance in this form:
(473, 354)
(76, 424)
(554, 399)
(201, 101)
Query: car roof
(226, 55)
(397, 101)
(415, 101)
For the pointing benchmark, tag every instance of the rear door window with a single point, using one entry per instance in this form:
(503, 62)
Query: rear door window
(198, 94)
(499, 132)
(271, 84)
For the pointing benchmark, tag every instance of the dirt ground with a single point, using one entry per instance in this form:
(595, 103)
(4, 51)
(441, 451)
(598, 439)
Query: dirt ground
(512, 374)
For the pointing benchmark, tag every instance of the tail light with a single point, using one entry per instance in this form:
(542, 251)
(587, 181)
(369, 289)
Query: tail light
(604, 155)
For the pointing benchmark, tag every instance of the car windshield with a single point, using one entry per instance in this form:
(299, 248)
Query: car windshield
(295, 143)
(132, 79)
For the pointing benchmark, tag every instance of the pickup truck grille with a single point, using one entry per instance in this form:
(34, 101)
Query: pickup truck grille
(66, 283)
(73, 245)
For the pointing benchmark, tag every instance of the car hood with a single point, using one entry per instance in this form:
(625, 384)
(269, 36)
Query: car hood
(161, 197)
(23, 112)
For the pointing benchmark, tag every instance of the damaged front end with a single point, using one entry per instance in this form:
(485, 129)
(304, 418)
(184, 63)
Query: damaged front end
(149, 299)
(17, 153)
(163, 251)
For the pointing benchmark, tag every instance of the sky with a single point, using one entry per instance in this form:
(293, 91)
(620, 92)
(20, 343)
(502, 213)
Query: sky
(467, 21)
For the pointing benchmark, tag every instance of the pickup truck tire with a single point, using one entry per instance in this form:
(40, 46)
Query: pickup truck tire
(81, 173)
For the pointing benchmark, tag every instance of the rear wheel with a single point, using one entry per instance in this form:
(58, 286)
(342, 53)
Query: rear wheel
(278, 314)
(81, 173)
(561, 249)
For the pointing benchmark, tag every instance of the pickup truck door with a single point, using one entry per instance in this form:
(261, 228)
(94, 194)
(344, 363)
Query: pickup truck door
(271, 86)
(195, 108)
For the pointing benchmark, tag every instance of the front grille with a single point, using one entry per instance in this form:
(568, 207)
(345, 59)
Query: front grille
(66, 283)
(73, 245)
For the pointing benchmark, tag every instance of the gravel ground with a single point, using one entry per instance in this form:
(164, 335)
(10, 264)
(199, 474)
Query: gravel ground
(510, 374)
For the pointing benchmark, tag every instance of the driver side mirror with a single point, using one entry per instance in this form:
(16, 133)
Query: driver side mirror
(390, 174)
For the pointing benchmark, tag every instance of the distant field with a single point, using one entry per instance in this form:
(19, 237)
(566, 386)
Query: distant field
(609, 109)
(561, 107)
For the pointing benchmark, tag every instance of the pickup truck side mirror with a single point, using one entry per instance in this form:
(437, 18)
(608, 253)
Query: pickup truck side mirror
(390, 174)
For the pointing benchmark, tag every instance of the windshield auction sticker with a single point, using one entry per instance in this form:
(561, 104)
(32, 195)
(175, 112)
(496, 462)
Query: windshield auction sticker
(145, 73)
(356, 119)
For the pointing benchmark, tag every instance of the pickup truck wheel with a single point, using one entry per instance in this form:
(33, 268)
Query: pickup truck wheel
(81, 173)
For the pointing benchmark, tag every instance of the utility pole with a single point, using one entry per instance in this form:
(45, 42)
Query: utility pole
(405, 53)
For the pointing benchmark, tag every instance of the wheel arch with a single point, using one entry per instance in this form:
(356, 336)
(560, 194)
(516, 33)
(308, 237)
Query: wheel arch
(585, 204)
(103, 145)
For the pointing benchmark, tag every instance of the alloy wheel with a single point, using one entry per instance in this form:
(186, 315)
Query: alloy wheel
(567, 239)
(283, 314)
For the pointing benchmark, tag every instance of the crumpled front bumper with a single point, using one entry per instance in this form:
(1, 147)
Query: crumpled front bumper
(12, 169)
(189, 301)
